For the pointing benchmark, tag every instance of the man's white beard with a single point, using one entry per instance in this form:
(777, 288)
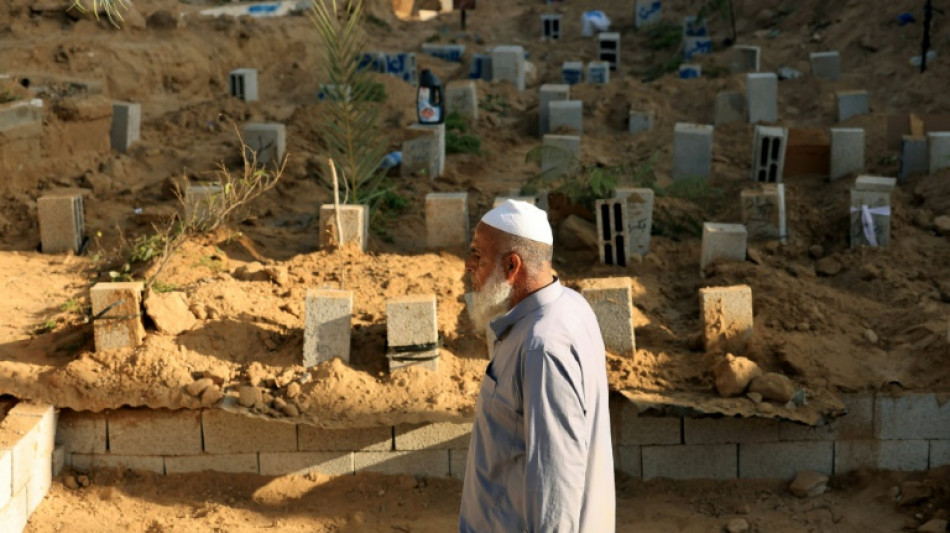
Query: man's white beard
(492, 299)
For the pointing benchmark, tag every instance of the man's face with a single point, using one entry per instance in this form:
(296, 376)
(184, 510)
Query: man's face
(492, 289)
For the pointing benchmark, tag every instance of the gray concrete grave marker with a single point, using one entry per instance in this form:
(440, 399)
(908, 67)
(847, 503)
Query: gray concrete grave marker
(327, 326)
(638, 121)
(938, 143)
(746, 58)
(242, 84)
(548, 93)
(762, 97)
(826, 65)
(118, 307)
(439, 130)
(722, 242)
(608, 48)
(566, 113)
(355, 222)
(692, 150)
(62, 222)
(447, 220)
(560, 154)
(612, 302)
(763, 212)
(915, 157)
(412, 332)
(598, 73)
(550, 26)
(572, 72)
(852, 103)
(508, 65)
(420, 153)
(847, 152)
(461, 97)
(126, 125)
(639, 217)
(871, 211)
(268, 140)
(768, 154)
(727, 318)
(730, 107)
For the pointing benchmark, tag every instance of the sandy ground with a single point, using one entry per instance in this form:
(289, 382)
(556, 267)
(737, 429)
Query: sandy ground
(364, 503)
(879, 320)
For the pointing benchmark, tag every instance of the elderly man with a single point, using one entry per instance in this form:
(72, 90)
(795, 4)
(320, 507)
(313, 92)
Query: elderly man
(540, 457)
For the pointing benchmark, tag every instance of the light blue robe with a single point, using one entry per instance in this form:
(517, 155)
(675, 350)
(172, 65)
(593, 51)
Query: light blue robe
(540, 458)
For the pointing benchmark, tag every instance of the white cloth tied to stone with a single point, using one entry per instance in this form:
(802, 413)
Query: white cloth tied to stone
(867, 221)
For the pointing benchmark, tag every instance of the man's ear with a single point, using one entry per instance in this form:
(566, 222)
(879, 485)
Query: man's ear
(513, 266)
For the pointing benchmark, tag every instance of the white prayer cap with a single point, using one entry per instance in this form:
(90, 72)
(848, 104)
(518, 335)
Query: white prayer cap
(521, 219)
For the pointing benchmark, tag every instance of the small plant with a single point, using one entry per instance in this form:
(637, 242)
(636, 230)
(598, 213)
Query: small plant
(211, 262)
(44, 327)
(162, 287)
(664, 35)
(111, 8)
(495, 103)
(71, 306)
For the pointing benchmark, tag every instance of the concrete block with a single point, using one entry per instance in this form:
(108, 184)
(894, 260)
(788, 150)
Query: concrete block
(647, 12)
(692, 151)
(638, 121)
(746, 58)
(768, 154)
(412, 322)
(939, 147)
(852, 103)
(6, 477)
(81, 432)
(22, 113)
(82, 462)
(44, 432)
(857, 424)
(480, 68)
(447, 220)
(763, 212)
(939, 453)
(302, 463)
(457, 462)
(639, 217)
(612, 302)
(199, 201)
(762, 97)
(155, 432)
(694, 46)
(312, 439)
(727, 318)
(355, 222)
(461, 97)
(690, 71)
(121, 325)
(404, 66)
(598, 73)
(701, 461)
(438, 436)
(847, 152)
(911, 417)
(723, 242)
(730, 107)
(327, 326)
(539, 198)
(915, 157)
(126, 125)
(62, 222)
(226, 432)
(507, 64)
(871, 211)
(572, 72)
(242, 84)
(433, 463)
(645, 430)
(550, 26)
(268, 140)
(548, 93)
(15, 514)
(420, 153)
(561, 154)
(439, 130)
(447, 52)
(729, 430)
(236, 463)
(41, 478)
(826, 65)
(612, 233)
(566, 114)
(903, 455)
(782, 460)
(629, 460)
(608, 48)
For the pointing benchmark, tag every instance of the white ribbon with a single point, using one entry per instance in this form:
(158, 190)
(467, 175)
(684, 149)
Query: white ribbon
(867, 223)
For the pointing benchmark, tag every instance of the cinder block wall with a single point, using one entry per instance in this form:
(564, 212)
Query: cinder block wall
(911, 432)
(26, 462)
